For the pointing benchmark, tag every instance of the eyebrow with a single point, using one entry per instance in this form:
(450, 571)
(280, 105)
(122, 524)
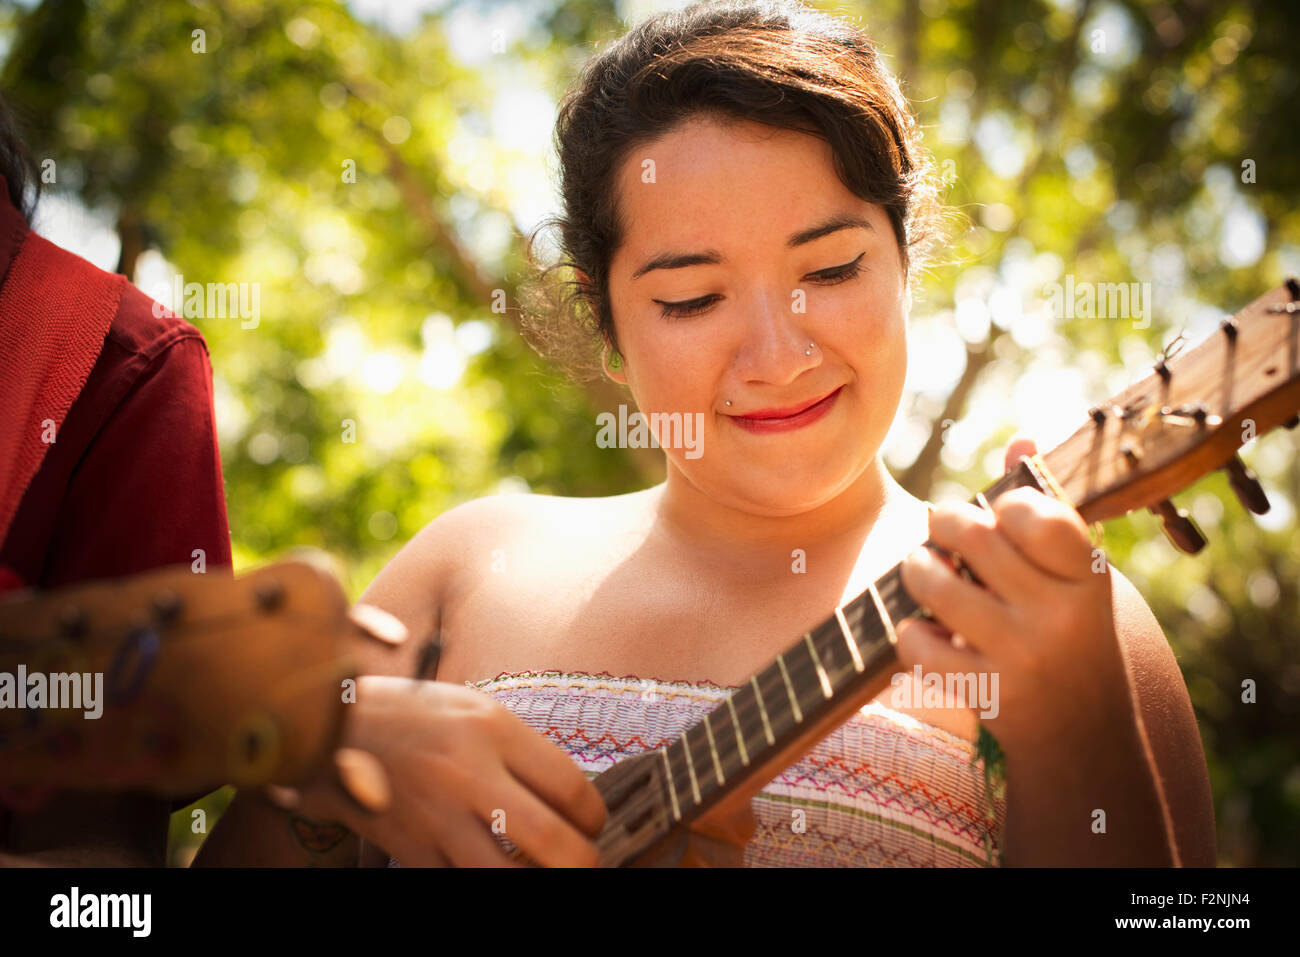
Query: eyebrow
(712, 256)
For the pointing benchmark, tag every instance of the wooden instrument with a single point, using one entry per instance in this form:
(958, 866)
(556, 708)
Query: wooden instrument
(204, 680)
(688, 803)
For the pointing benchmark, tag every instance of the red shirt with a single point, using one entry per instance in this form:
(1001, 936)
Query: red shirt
(134, 480)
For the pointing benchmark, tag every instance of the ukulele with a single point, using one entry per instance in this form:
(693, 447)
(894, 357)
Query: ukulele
(177, 683)
(688, 803)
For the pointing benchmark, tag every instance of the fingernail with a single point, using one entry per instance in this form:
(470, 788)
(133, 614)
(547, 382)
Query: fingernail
(283, 797)
(364, 778)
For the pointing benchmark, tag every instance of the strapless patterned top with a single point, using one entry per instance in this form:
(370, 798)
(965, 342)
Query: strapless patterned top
(882, 790)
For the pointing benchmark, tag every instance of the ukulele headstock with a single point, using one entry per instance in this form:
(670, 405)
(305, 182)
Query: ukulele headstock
(200, 679)
(1188, 417)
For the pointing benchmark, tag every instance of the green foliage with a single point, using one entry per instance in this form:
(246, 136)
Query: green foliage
(990, 753)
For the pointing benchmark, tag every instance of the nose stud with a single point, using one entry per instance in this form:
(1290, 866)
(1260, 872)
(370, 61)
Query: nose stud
(807, 352)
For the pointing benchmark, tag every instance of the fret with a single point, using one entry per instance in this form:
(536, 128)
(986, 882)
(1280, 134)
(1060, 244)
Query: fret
(672, 786)
(713, 749)
(776, 695)
(822, 677)
(849, 640)
(801, 665)
(728, 751)
(698, 761)
(866, 617)
(690, 768)
(898, 602)
(750, 723)
(863, 619)
(740, 738)
(833, 654)
(794, 699)
(863, 624)
(679, 760)
(762, 710)
(883, 612)
(773, 702)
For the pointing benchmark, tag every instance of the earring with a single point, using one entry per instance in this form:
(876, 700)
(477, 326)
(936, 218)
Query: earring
(809, 350)
(615, 360)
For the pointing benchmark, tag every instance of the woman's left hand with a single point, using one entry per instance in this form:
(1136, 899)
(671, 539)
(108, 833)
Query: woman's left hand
(1041, 622)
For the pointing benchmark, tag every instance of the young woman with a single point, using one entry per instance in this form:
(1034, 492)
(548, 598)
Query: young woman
(746, 204)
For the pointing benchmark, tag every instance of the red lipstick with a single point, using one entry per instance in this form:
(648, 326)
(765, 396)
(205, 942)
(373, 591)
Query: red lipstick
(764, 421)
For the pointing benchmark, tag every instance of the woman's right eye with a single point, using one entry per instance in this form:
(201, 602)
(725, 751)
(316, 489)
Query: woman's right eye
(682, 310)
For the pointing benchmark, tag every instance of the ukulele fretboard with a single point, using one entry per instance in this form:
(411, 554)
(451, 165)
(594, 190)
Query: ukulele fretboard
(830, 661)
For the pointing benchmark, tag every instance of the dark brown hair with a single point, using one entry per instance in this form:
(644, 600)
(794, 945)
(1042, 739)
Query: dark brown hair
(18, 165)
(775, 62)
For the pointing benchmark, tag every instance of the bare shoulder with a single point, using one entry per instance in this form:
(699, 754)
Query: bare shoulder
(1170, 723)
(452, 554)
(495, 525)
(416, 581)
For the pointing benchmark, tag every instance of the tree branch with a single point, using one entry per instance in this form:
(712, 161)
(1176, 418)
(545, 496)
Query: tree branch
(603, 394)
(919, 476)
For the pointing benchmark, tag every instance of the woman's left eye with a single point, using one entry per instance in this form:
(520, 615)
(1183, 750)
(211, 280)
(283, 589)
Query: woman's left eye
(839, 273)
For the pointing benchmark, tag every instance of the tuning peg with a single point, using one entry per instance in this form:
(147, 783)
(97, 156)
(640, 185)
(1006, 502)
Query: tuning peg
(269, 595)
(1246, 485)
(167, 607)
(73, 622)
(1182, 531)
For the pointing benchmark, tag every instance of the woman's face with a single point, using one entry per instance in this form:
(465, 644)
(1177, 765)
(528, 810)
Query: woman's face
(724, 279)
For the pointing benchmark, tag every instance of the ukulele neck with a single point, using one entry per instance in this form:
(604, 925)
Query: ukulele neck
(832, 670)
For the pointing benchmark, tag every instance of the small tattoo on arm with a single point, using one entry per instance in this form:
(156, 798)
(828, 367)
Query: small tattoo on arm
(317, 836)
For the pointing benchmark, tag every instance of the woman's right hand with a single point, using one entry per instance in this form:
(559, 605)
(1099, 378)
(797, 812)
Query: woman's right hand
(459, 765)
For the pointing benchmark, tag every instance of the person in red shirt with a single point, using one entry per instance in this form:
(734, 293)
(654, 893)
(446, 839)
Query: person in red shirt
(132, 480)
(126, 476)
